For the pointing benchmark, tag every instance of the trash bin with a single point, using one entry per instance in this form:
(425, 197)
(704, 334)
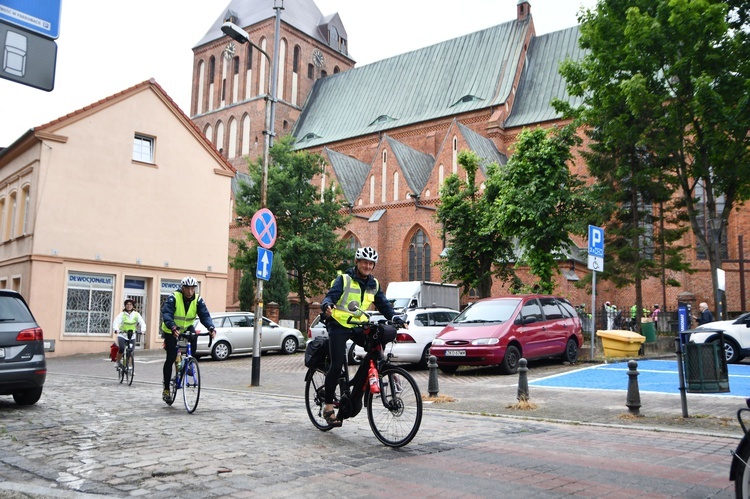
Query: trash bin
(648, 329)
(618, 343)
(706, 367)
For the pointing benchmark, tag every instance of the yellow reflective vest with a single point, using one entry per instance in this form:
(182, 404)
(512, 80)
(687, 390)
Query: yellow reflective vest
(183, 318)
(352, 291)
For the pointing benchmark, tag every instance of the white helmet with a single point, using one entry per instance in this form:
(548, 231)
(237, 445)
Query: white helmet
(189, 281)
(366, 253)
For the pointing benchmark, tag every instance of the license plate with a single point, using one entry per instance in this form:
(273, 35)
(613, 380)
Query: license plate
(2, 353)
(455, 353)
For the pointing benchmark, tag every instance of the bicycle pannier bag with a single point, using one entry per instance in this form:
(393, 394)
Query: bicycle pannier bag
(316, 352)
(113, 352)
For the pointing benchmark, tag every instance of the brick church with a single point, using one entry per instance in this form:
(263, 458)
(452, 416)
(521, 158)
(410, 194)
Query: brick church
(390, 131)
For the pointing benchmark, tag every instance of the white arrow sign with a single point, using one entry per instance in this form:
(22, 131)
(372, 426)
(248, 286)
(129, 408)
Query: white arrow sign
(265, 260)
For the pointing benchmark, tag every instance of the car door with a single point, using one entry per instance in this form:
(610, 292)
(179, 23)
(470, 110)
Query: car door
(242, 333)
(530, 329)
(555, 326)
(271, 337)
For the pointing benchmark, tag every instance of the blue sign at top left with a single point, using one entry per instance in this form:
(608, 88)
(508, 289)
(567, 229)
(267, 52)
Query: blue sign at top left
(263, 227)
(39, 16)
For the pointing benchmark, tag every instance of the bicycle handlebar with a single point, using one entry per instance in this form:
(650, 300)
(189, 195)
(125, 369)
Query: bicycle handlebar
(190, 332)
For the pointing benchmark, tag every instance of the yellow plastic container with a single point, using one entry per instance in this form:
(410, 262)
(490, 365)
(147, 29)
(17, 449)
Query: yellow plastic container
(618, 343)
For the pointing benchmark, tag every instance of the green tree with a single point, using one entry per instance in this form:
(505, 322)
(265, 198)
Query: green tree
(538, 200)
(474, 255)
(665, 99)
(247, 291)
(309, 222)
(277, 288)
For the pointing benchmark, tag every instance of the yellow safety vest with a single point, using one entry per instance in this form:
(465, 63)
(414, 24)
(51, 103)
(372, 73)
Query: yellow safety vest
(352, 291)
(128, 322)
(181, 318)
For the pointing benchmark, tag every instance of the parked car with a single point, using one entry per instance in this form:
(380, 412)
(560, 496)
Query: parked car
(736, 336)
(23, 367)
(500, 331)
(235, 332)
(413, 344)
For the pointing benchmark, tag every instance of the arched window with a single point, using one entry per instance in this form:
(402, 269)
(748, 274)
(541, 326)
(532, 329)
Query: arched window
(2, 219)
(232, 149)
(455, 154)
(209, 132)
(295, 59)
(211, 69)
(336, 70)
(24, 215)
(10, 226)
(246, 135)
(201, 86)
(352, 244)
(419, 257)
(220, 137)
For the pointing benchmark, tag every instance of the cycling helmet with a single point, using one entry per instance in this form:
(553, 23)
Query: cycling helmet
(366, 253)
(189, 281)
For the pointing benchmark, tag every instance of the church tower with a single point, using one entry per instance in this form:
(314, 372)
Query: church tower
(232, 80)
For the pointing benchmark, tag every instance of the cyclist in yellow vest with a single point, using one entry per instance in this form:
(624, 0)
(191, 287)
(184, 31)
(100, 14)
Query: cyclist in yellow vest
(178, 313)
(127, 320)
(358, 284)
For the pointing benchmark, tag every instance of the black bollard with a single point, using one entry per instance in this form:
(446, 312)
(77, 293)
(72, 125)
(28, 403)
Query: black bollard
(432, 382)
(634, 397)
(523, 381)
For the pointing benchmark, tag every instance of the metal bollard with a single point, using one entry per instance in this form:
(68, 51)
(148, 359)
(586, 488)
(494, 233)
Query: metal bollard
(634, 397)
(523, 381)
(432, 382)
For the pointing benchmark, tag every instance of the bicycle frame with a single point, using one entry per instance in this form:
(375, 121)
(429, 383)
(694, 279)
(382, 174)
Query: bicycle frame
(126, 370)
(187, 375)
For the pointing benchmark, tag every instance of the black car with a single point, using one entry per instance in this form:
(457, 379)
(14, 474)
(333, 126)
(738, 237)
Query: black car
(23, 367)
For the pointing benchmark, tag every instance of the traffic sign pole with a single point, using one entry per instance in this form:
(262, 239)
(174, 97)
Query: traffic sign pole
(596, 264)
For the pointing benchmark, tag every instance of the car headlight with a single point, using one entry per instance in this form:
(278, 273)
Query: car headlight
(437, 341)
(485, 341)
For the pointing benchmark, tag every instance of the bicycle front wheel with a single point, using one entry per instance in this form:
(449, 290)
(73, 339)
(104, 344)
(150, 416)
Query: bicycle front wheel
(315, 393)
(191, 384)
(130, 368)
(396, 412)
(120, 370)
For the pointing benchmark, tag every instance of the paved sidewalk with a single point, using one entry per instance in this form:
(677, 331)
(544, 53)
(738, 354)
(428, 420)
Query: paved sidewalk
(89, 435)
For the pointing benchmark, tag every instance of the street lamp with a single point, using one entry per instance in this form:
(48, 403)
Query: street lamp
(238, 34)
(716, 229)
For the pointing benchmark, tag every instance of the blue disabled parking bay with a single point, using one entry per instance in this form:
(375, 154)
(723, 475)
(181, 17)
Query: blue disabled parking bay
(659, 376)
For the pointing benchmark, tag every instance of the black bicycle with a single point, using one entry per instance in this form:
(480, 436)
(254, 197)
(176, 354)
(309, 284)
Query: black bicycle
(739, 472)
(394, 413)
(187, 374)
(126, 367)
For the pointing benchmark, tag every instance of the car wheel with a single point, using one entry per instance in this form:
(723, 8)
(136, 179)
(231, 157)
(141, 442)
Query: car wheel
(221, 351)
(28, 397)
(448, 369)
(424, 363)
(289, 346)
(351, 359)
(509, 365)
(731, 350)
(570, 354)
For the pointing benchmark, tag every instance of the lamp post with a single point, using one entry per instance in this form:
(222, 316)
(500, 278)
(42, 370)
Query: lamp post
(239, 34)
(716, 229)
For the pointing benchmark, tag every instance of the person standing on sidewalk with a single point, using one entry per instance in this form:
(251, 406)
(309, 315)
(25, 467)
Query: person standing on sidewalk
(127, 320)
(706, 316)
(179, 313)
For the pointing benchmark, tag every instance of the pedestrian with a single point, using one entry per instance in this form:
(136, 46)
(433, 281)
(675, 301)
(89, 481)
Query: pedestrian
(655, 313)
(127, 320)
(356, 284)
(705, 316)
(179, 313)
(609, 313)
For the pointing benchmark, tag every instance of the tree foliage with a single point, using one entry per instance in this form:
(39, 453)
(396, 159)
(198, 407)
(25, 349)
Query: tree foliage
(538, 201)
(474, 255)
(665, 88)
(309, 222)
(247, 291)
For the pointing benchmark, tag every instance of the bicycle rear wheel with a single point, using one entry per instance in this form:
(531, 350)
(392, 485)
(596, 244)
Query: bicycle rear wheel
(191, 384)
(120, 370)
(130, 368)
(315, 398)
(396, 412)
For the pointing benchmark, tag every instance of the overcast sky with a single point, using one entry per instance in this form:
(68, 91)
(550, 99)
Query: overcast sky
(105, 47)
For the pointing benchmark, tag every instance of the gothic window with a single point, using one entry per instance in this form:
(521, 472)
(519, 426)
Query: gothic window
(419, 257)
(295, 59)
(211, 69)
(249, 60)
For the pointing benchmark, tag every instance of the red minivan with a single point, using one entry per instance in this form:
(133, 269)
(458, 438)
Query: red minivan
(500, 331)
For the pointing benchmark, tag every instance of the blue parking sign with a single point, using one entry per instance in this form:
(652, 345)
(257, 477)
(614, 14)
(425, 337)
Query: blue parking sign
(596, 248)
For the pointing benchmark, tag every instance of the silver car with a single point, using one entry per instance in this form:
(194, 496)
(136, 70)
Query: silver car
(235, 333)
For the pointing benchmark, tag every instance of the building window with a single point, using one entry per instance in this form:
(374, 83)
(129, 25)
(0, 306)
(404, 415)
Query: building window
(323, 74)
(236, 63)
(295, 59)
(11, 225)
(211, 69)
(249, 60)
(336, 70)
(25, 211)
(143, 149)
(89, 304)
(419, 257)
(352, 244)
(310, 71)
(2, 219)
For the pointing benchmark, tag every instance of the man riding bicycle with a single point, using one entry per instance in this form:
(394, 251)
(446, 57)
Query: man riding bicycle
(357, 283)
(179, 313)
(128, 320)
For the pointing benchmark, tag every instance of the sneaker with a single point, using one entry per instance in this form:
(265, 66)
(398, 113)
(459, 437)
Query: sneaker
(165, 395)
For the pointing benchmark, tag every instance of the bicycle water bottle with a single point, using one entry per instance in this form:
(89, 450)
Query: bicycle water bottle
(372, 374)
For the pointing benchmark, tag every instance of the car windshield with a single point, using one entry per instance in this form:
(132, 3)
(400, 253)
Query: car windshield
(489, 311)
